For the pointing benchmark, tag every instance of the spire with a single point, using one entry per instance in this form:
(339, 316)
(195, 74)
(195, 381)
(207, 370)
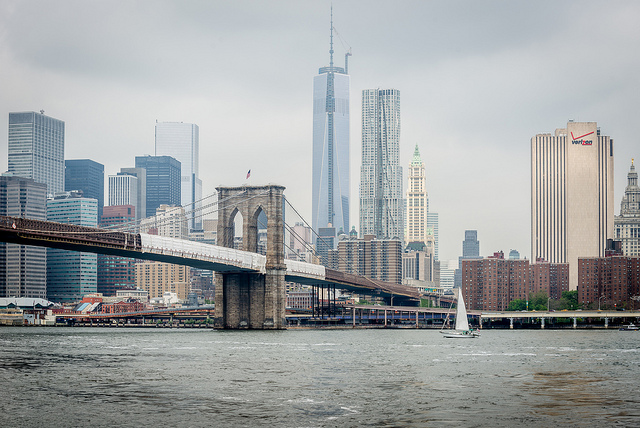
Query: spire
(417, 160)
(331, 42)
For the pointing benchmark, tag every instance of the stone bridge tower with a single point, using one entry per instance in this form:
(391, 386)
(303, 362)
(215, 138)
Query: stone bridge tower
(252, 300)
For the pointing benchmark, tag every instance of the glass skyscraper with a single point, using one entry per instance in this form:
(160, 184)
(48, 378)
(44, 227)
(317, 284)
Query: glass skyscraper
(182, 141)
(86, 175)
(71, 274)
(381, 195)
(23, 268)
(163, 181)
(36, 149)
(330, 183)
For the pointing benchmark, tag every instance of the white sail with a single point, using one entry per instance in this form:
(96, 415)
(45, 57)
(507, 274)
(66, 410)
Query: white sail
(461, 313)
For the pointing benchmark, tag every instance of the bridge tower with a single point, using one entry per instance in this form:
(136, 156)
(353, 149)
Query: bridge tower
(252, 300)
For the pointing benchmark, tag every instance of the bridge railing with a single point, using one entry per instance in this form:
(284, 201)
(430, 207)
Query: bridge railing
(307, 269)
(198, 250)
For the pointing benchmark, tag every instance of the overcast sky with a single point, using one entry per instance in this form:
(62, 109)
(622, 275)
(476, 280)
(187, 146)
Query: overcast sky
(477, 79)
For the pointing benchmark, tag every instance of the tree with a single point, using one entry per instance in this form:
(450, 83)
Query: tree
(517, 305)
(538, 301)
(569, 301)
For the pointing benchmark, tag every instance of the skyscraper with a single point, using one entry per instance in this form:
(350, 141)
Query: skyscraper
(71, 274)
(417, 202)
(470, 245)
(163, 181)
(86, 175)
(123, 190)
(116, 272)
(627, 224)
(182, 141)
(330, 182)
(571, 195)
(36, 149)
(381, 195)
(141, 202)
(23, 268)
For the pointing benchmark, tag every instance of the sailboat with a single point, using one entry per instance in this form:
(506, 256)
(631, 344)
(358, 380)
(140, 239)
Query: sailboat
(461, 330)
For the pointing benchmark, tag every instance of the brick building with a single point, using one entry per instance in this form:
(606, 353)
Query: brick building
(609, 282)
(374, 258)
(491, 283)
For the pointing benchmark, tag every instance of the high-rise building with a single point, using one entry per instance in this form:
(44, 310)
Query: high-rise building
(627, 224)
(434, 230)
(470, 250)
(163, 181)
(609, 282)
(417, 200)
(23, 268)
(374, 258)
(123, 190)
(330, 181)
(381, 195)
(116, 272)
(71, 274)
(489, 284)
(85, 175)
(141, 174)
(571, 195)
(36, 149)
(169, 221)
(182, 142)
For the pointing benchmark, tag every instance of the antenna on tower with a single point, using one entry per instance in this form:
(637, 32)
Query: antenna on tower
(331, 42)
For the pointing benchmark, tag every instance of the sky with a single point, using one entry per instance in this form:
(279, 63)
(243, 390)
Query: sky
(478, 79)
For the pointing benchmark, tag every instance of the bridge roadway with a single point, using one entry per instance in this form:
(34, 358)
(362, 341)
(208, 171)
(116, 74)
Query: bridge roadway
(560, 314)
(183, 252)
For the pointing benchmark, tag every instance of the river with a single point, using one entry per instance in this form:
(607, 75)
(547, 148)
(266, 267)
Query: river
(107, 377)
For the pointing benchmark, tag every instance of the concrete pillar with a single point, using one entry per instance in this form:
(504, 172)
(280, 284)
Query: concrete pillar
(353, 313)
(511, 323)
(416, 319)
(542, 323)
(606, 323)
(575, 323)
(385, 317)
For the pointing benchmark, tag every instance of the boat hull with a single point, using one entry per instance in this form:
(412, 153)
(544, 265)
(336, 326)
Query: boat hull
(460, 334)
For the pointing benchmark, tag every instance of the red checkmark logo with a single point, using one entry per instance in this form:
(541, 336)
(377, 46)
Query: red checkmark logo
(577, 138)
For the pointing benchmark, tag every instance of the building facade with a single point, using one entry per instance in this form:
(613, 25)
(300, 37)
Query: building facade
(381, 194)
(470, 250)
(36, 149)
(163, 181)
(609, 282)
(370, 257)
(158, 278)
(85, 175)
(123, 190)
(71, 274)
(417, 201)
(571, 195)
(627, 224)
(23, 268)
(330, 180)
(182, 142)
(141, 200)
(116, 272)
(491, 283)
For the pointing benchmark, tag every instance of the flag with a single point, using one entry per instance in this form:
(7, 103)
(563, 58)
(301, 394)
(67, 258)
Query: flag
(248, 174)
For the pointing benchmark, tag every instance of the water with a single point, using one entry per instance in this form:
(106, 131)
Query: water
(63, 377)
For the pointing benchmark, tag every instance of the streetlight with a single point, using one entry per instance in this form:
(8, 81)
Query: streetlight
(548, 302)
(599, 298)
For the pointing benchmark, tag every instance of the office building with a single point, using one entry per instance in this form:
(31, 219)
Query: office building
(71, 274)
(627, 224)
(417, 201)
(330, 180)
(182, 142)
(141, 201)
(571, 195)
(470, 250)
(123, 190)
(434, 230)
(36, 149)
(163, 181)
(116, 272)
(609, 282)
(87, 176)
(23, 268)
(158, 278)
(381, 195)
(169, 221)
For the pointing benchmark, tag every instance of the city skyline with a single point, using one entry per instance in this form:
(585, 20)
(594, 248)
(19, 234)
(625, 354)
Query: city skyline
(477, 83)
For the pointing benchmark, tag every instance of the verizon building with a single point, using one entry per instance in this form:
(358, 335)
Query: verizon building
(571, 195)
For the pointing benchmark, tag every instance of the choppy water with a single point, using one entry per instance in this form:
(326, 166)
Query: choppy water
(64, 377)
